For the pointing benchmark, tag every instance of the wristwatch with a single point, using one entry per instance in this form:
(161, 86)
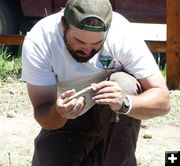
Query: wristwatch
(126, 106)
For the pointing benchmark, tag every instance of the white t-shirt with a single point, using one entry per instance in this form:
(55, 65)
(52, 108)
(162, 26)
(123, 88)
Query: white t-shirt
(46, 61)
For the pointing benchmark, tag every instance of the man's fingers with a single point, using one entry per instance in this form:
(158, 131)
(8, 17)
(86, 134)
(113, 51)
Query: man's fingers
(76, 113)
(105, 90)
(72, 109)
(64, 109)
(103, 84)
(68, 93)
(105, 96)
(77, 109)
(100, 85)
(114, 104)
(79, 105)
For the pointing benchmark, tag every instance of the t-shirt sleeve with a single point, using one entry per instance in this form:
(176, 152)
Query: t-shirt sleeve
(36, 64)
(139, 61)
(130, 49)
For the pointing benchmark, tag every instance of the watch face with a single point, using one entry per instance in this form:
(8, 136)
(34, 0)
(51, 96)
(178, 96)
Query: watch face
(126, 101)
(125, 106)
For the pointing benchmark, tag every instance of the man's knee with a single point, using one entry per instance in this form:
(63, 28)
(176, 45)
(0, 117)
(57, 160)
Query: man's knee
(128, 83)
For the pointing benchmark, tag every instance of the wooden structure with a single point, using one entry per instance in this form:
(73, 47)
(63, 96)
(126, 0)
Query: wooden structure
(154, 46)
(11, 39)
(173, 44)
(144, 11)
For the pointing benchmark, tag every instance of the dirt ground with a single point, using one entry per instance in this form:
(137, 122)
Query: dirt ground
(18, 129)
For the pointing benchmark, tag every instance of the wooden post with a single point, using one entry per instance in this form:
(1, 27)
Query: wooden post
(173, 43)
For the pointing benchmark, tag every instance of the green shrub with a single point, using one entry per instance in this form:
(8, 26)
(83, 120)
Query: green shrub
(10, 65)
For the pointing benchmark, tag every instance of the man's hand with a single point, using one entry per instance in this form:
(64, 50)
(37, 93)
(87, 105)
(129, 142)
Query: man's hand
(73, 108)
(107, 92)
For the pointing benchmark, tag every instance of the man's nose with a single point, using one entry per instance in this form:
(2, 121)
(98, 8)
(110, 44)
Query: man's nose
(87, 49)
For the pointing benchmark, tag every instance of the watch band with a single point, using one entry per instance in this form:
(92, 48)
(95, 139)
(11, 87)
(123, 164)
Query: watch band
(125, 109)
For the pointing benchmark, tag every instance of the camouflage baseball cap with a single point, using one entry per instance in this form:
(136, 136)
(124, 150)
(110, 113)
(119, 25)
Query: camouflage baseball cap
(78, 10)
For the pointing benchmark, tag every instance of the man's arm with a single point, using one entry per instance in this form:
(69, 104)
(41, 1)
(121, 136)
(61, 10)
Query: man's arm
(153, 102)
(50, 111)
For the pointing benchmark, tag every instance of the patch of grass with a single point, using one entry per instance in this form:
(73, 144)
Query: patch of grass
(10, 65)
(160, 59)
(164, 72)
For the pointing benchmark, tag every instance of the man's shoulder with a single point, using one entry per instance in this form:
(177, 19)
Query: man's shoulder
(53, 18)
(119, 28)
(119, 24)
(45, 29)
(46, 25)
(118, 18)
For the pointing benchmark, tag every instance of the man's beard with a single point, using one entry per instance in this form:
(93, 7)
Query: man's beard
(74, 53)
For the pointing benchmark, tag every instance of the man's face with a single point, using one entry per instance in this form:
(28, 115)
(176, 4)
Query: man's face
(82, 44)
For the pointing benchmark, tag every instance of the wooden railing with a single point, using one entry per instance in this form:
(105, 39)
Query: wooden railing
(12, 39)
(154, 46)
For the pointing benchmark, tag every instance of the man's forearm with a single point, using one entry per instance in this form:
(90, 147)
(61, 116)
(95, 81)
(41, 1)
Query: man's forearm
(48, 117)
(151, 103)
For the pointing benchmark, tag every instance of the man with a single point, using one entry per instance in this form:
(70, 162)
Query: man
(87, 44)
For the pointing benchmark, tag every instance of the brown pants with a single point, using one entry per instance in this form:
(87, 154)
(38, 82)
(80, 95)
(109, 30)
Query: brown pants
(96, 138)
